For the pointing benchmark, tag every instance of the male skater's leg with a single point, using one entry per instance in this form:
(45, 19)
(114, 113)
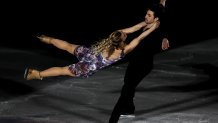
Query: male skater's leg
(134, 74)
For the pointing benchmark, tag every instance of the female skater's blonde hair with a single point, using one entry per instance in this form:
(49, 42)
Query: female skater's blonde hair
(114, 41)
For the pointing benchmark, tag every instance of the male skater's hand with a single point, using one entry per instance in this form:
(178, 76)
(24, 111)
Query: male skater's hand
(165, 44)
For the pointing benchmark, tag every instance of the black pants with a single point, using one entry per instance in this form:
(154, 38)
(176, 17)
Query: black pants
(135, 72)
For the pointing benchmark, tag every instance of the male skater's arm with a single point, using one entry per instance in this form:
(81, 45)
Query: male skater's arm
(165, 42)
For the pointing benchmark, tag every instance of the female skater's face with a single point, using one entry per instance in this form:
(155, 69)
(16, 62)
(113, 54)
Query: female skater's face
(123, 36)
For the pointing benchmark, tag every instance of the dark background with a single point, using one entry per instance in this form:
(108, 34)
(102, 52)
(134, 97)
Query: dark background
(84, 22)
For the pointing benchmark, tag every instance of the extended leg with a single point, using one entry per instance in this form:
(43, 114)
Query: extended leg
(54, 71)
(61, 44)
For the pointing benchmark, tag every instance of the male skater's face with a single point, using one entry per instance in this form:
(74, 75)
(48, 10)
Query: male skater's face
(149, 17)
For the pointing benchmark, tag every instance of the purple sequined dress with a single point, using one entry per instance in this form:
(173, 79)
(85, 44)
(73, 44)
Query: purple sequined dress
(88, 62)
